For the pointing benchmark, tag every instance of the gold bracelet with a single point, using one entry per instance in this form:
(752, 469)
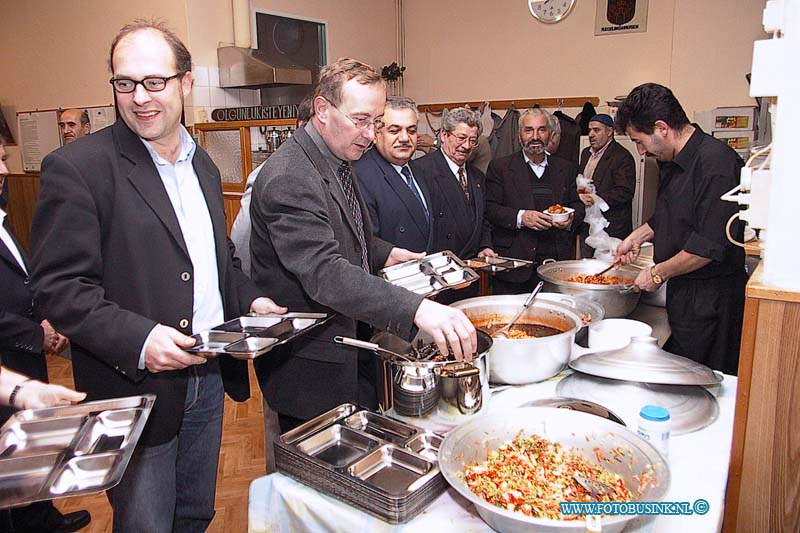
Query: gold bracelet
(16, 391)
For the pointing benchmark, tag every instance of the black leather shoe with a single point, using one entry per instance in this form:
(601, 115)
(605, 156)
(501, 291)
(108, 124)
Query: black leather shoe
(73, 522)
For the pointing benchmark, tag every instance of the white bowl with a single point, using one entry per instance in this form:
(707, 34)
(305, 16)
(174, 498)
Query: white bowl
(613, 333)
(560, 217)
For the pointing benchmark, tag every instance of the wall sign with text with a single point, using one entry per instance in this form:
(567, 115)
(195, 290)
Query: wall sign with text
(265, 112)
(620, 16)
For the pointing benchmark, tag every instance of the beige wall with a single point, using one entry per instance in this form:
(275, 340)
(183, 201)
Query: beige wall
(713, 50)
(485, 51)
(55, 52)
(701, 49)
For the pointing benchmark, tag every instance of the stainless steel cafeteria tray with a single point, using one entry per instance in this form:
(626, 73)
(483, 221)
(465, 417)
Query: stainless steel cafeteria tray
(252, 335)
(496, 264)
(71, 450)
(377, 464)
(431, 275)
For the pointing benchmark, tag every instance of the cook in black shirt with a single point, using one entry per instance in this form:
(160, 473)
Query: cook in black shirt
(705, 296)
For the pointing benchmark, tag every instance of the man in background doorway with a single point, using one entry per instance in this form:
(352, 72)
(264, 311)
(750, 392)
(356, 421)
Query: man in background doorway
(613, 171)
(74, 124)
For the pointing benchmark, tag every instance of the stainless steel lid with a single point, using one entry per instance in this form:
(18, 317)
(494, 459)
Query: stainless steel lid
(690, 408)
(575, 404)
(643, 361)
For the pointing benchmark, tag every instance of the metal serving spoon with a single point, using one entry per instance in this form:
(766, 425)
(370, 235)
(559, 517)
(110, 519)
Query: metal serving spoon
(502, 333)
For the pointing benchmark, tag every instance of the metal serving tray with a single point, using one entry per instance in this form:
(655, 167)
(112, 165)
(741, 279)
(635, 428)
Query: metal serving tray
(426, 444)
(382, 427)
(496, 264)
(392, 469)
(70, 450)
(431, 275)
(338, 445)
(365, 459)
(250, 336)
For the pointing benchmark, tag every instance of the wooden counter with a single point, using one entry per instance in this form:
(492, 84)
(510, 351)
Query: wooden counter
(764, 477)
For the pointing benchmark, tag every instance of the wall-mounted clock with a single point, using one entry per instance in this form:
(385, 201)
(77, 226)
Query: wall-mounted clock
(550, 11)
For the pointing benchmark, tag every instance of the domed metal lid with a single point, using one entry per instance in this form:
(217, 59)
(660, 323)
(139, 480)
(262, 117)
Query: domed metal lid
(690, 408)
(643, 361)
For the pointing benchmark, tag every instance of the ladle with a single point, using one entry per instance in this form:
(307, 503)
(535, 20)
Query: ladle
(347, 341)
(502, 333)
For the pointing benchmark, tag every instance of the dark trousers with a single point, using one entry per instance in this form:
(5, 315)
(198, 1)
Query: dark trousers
(706, 316)
(368, 368)
(500, 286)
(451, 296)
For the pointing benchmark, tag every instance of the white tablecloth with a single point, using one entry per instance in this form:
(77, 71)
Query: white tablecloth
(698, 464)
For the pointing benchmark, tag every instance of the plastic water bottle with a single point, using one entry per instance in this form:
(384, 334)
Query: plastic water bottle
(654, 425)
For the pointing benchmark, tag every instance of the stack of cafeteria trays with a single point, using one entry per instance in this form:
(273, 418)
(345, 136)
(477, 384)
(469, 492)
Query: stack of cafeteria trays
(377, 464)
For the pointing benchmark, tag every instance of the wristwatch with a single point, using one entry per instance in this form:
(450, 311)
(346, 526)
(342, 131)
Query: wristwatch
(658, 280)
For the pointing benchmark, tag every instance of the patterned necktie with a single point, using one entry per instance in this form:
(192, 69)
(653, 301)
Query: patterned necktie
(410, 182)
(462, 178)
(345, 176)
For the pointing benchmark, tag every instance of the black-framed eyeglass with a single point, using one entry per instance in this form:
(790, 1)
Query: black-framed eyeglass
(360, 123)
(461, 139)
(151, 84)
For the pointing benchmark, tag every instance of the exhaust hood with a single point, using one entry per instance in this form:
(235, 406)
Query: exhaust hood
(241, 68)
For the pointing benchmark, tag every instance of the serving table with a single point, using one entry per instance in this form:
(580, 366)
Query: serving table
(698, 463)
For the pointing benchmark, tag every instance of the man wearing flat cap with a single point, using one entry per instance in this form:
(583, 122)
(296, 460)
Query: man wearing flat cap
(613, 171)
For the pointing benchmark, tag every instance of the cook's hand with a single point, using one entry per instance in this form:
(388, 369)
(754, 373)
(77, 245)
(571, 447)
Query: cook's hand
(447, 325)
(37, 395)
(536, 220)
(487, 252)
(164, 350)
(264, 305)
(401, 255)
(566, 224)
(627, 252)
(644, 281)
(587, 199)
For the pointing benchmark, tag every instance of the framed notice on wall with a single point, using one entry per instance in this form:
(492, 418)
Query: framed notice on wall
(38, 136)
(620, 16)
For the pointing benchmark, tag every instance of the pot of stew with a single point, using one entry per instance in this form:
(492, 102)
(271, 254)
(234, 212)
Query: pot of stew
(539, 344)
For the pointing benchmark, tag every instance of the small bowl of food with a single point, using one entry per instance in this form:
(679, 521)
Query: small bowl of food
(559, 213)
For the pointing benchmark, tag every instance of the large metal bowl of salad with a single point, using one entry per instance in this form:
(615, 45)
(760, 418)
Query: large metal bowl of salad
(517, 468)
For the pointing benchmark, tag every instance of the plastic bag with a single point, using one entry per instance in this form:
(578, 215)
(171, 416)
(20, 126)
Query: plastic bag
(604, 244)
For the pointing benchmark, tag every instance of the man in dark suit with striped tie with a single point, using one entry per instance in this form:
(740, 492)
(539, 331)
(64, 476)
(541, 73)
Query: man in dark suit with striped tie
(397, 200)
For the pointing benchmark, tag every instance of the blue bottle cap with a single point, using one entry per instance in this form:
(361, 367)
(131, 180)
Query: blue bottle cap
(654, 413)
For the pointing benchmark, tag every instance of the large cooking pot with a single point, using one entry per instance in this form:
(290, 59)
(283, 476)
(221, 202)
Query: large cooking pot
(523, 361)
(590, 312)
(618, 300)
(443, 389)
